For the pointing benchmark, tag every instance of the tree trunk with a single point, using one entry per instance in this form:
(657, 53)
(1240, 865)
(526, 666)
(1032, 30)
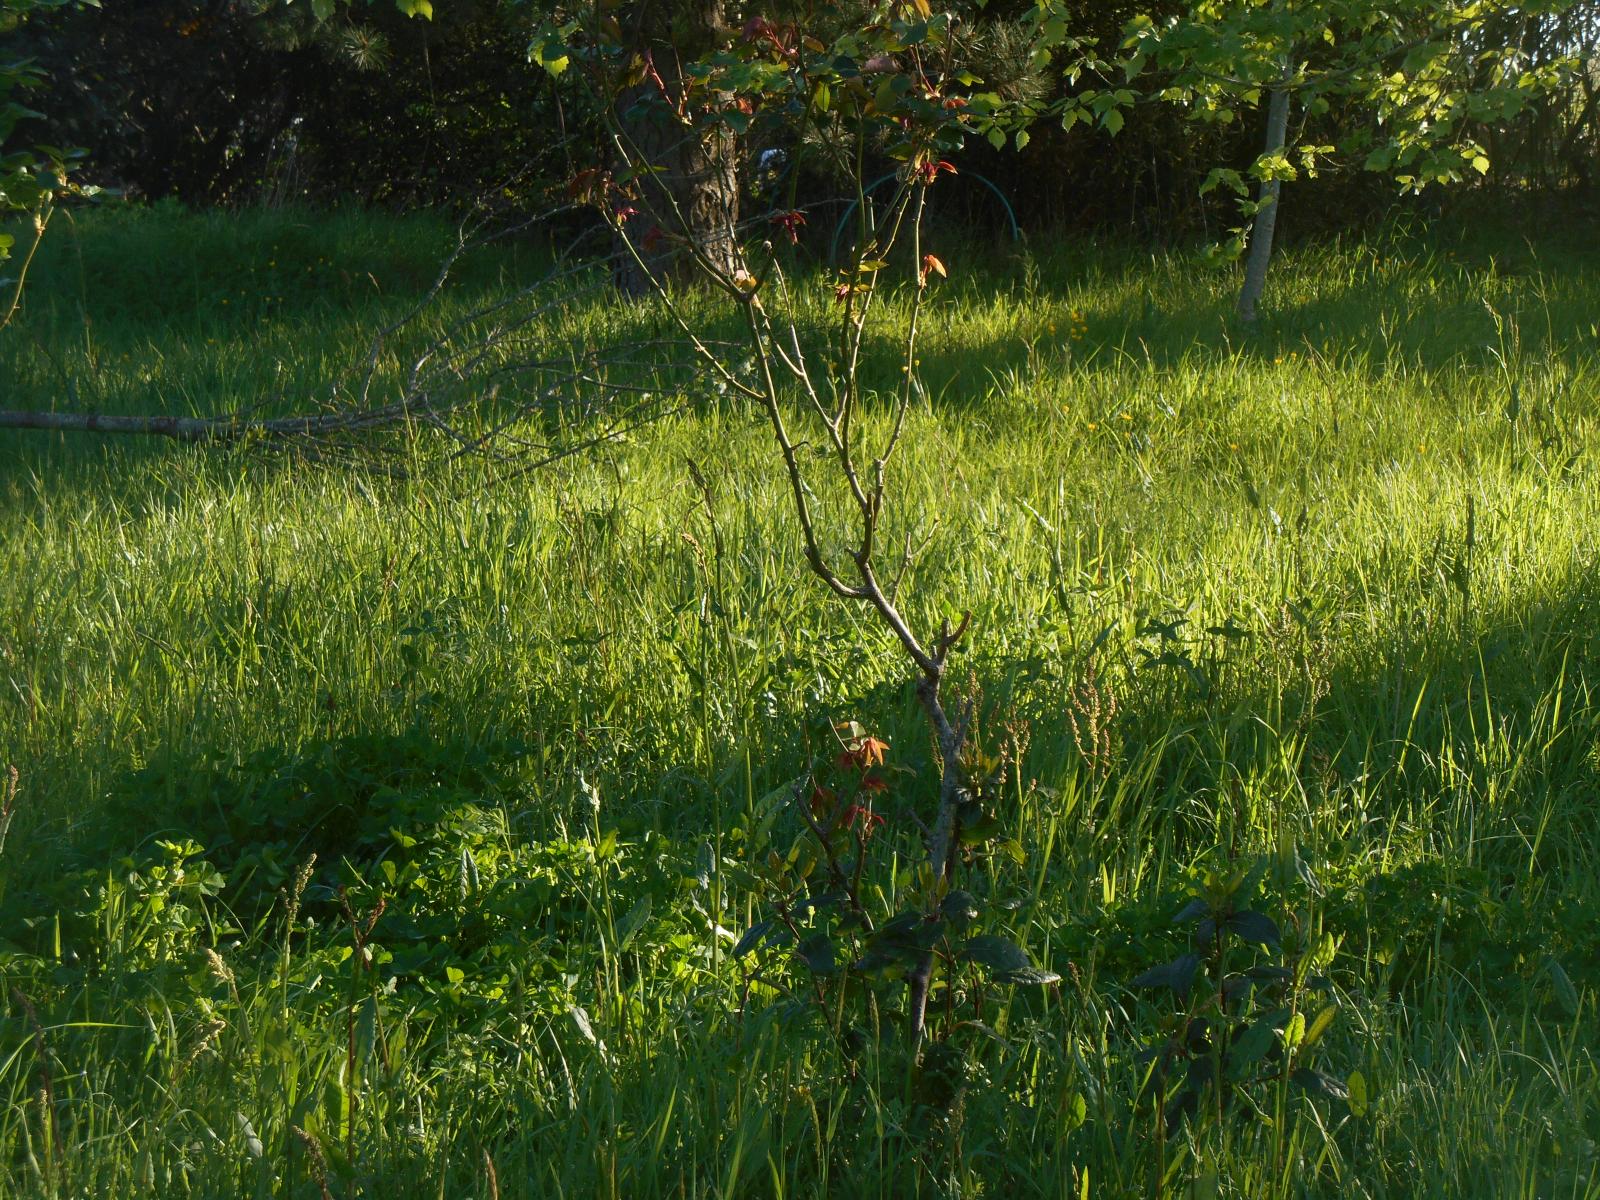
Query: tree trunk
(1266, 221)
(690, 199)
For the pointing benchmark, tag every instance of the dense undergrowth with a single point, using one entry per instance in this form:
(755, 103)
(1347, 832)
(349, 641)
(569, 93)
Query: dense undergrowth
(399, 834)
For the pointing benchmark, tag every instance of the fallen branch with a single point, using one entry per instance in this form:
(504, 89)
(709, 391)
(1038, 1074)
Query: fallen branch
(489, 384)
(181, 429)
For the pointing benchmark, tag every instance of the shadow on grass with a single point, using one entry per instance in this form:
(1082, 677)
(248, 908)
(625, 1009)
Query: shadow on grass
(221, 310)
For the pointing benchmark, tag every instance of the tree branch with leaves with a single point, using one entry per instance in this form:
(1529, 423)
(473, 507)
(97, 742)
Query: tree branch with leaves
(1423, 76)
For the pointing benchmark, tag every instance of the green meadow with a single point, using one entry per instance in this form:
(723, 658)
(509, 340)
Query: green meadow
(391, 824)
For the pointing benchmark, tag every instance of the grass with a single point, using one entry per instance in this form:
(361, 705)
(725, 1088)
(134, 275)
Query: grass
(543, 722)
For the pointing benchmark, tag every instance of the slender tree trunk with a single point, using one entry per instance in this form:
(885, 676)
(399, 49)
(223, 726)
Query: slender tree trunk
(943, 844)
(1266, 221)
(690, 198)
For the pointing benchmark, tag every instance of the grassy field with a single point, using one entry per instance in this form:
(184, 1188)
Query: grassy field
(1321, 598)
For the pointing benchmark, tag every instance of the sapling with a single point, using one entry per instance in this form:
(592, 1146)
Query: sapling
(889, 86)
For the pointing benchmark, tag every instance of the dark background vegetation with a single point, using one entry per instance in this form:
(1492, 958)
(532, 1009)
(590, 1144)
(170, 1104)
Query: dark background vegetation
(227, 102)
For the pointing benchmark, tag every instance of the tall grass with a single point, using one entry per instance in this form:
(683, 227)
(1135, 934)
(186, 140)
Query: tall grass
(576, 693)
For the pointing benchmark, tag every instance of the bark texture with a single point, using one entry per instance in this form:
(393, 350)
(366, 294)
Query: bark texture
(690, 195)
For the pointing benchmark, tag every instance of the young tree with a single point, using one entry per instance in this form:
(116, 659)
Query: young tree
(884, 79)
(1413, 80)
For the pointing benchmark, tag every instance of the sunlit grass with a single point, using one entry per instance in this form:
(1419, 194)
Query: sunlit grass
(192, 642)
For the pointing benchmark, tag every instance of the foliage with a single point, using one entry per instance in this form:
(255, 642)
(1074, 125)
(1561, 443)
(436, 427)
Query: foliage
(1409, 85)
(229, 104)
(33, 178)
(1246, 1025)
(844, 930)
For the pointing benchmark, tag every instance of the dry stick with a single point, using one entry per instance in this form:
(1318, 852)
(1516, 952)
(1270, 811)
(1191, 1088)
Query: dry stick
(451, 361)
(10, 784)
(420, 401)
(950, 735)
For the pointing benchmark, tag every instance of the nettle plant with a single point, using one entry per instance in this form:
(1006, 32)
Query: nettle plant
(1246, 1007)
(882, 81)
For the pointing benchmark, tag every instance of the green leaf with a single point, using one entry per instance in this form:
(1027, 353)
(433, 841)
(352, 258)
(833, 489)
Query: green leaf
(982, 828)
(886, 95)
(762, 933)
(628, 928)
(959, 908)
(1191, 911)
(549, 51)
(1251, 1045)
(1561, 982)
(1253, 927)
(1007, 961)
(367, 1029)
(1177, 974)
(1028, 977)
(1078, 1110)
(1315, 1083)
(1319, 1024)
(416, 8)
(1356, 1087)
(817, 953)
(997, 953)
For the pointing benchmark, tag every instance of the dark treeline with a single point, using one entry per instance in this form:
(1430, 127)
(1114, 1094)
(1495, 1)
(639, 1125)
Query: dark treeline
(226, 102)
